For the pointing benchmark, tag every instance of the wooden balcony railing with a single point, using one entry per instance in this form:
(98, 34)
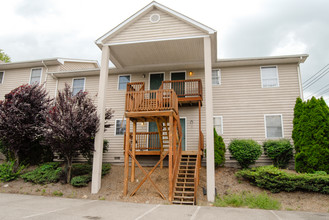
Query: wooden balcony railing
(151, 100)
(146, 141)
(135, 86)
(191, 88)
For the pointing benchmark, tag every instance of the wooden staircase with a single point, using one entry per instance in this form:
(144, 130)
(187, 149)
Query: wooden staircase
(185, 188)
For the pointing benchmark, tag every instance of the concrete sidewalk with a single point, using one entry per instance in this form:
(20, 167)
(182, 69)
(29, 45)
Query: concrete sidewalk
(13, 206)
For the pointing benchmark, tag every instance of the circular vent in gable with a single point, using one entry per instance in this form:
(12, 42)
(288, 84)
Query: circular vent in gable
(154, 18)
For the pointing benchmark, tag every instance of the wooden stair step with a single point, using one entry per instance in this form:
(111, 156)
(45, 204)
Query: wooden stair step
(183, 197)
(183, 202)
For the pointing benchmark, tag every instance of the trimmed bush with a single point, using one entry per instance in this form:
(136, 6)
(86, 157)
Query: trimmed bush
(311, 135)
(276, 180)
(45, 173)
(246, 152)
(219, 146)
(81, 181)
(280, 151)
(8, 173)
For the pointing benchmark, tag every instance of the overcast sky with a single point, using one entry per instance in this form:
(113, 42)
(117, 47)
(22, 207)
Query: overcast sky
(37, 29)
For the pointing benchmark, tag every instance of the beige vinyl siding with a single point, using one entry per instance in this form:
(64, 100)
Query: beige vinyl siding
(143, 29)
(71, 66)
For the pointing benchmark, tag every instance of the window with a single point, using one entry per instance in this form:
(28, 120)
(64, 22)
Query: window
(273, 126)
(123, 80)
(2, 74)
(269, 76)
(120, 127)
(78, 85)
(218, 124)
(36, 76)
(216, 77)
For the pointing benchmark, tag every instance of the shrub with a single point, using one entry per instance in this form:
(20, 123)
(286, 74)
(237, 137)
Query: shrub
(259, 201)
(8, 173)
(80, 181)
(219, 146)
(21, 122)
(246, 152)
(311, 135)
(45, 173)
(276, 180)
(71, 126)
(280, 151)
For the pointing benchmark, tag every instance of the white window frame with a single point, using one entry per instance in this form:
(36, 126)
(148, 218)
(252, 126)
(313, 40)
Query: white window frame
(282, 127)
(84, 83)
(221, 121)
(3, 77)
(277, 76)
(115, 127)
(219, 75)
(40, 74)
(119, 81)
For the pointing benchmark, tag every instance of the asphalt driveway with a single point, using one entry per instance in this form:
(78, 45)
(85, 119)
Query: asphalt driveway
(13, 206)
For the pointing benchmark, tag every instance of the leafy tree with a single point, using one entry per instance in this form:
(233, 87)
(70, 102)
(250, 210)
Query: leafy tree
(21, 120)
(311, 135)
(219, 149)
(4, 57)
(71, 126)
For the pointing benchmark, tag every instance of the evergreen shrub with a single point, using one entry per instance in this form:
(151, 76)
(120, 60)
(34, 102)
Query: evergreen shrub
(246, 152)
(280, 151)
(219, 146)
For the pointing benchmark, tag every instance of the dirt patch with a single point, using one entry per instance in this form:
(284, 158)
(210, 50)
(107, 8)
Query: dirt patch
(112, 189)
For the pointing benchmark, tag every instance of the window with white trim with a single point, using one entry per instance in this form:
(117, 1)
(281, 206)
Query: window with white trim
(269, 76)
(120, 127)
(218, 124)
(216, 77)
(35, 76)
(2, 74)
(273, 126)
(123, 80)
(78, 85)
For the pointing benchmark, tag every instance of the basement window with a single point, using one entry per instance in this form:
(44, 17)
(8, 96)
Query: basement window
(2, 74)
(216, 77)
(218, 124)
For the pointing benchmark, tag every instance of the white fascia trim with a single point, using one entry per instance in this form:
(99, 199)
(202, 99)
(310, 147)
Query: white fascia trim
(63, 60)
(156, 40)
(266, 126)
(187, 19)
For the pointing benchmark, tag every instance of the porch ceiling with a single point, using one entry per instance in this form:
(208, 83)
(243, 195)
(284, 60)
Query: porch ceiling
(157, 53)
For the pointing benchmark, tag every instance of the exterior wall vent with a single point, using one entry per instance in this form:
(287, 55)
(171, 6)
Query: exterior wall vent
(116, 158)
(154, 18)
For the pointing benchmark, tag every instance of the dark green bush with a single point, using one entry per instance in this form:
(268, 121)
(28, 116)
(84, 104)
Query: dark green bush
(276, 180)
(45, 173)
(7, 172)
(219, 148)
(311, 135)
(246, 152)
(80, 181)
(280, 151)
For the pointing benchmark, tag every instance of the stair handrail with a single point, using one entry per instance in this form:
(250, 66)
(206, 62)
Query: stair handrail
(196, 176)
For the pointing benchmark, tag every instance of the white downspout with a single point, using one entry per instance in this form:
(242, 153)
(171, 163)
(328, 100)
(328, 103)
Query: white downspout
(46, 73)
(300, 81)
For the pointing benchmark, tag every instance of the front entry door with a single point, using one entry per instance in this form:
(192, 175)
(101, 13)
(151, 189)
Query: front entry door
(155, 83)
(179, 88)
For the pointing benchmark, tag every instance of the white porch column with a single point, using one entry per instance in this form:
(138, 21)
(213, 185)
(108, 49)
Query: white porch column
(209, 121)
(98, 154)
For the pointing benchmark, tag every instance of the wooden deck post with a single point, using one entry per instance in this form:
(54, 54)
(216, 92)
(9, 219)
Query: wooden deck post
(133, 152)
(126, 171)
(170, 159)
(160, 131)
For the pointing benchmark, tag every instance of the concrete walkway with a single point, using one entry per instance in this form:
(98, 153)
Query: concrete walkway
(13, 206)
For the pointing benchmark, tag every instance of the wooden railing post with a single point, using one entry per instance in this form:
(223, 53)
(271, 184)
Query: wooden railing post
(133, 152)
(170, 160)
(126, 171)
